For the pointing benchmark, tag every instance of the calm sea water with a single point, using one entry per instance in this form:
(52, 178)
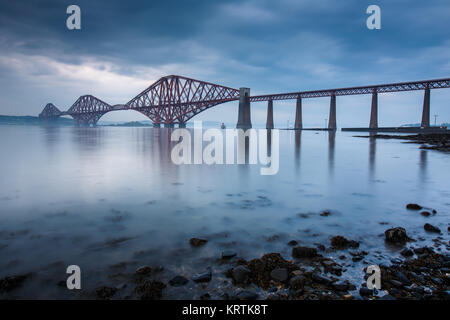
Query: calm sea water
(109, 199)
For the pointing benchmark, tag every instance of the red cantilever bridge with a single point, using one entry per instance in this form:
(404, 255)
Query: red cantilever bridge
(176, 99)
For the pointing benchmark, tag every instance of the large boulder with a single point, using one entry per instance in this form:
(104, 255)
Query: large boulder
(203, 277)
(430, 228)
(261, 269)
(396, 235)
(279, 274)
(178, 281)
(304, 252)
(339, 242)
(197, 242)
(105, 292)
(241, 275)
(413, 206)
(150, 290)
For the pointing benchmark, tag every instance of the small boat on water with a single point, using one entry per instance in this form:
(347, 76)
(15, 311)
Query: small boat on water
(223, 126)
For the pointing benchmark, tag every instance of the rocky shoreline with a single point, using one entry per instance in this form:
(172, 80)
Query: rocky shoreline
(429, 141)
(311, 273)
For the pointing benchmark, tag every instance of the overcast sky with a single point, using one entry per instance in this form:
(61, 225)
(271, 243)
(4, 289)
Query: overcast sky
(266, 45)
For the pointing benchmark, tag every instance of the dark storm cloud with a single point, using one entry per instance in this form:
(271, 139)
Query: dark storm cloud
(270, 46)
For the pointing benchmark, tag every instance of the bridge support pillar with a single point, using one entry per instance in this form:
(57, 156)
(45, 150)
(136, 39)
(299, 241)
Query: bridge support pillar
(182, 125)
(156, 125)
(374, 111)
(332, 118)
(168, 125)
(244, 118)
(269, 123)
(298, 114)
(426, 108)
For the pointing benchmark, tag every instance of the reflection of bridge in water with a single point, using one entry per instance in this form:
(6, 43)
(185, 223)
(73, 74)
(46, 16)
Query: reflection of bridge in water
(175, 99)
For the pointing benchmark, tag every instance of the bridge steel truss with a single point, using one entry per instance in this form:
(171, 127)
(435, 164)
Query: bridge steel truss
(425, 85)
(176, 99)
(50, 112)
(382, 88)
(88, 110)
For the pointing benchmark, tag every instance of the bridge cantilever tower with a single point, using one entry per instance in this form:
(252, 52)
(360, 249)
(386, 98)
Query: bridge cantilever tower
(88, 109)
(50, 112)
(176, 99)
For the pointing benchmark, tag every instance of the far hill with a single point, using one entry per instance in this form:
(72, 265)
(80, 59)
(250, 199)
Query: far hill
(31, 120)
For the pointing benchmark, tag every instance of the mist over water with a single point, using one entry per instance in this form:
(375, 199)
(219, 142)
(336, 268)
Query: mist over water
(109, 199)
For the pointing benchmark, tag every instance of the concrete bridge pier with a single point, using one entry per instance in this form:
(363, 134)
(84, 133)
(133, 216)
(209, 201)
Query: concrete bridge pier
(426, 108)
(332, 117)
(168, 125)
(269, 123)
(298, 114)
(374, 111)
(244, 118)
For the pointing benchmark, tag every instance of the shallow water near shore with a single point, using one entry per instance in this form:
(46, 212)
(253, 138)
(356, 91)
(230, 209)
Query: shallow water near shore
(109, 199)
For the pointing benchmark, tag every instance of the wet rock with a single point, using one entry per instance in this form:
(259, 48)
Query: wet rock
(261, 268)
(396, 283)
(241, 274)
(325, 213)
(423, 250)
(321, 247)
(430, 228)
(205, 296)
(395, 292)
(150, 290)
(304, 252)
(413, 206)
(280, 274)
(403, 279)
(225, 296)
(297, 282)
(228, 254)
(273, 296)
(178, 281)
(340, 286)
(292, 243)
(332, 267)
(436, 281)
(396, 235)
(359, 253)
(407, 252)
(425, 213)
(105, 292)
(144, 270)
(273, 289)
(121, 286)
(197, 242)
(203, 277)
(320, 279)
(10, 283)
(340, 242)
(396, 261)
(363, 291)
(245, 295)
